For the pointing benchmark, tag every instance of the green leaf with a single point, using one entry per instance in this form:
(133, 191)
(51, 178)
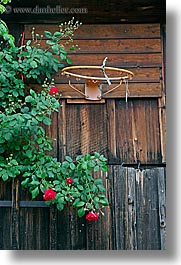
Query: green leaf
(15, 93)
(55, 48)
(98, 181)
(57, 34)
(79, 157)
(35, 192)
(47, 34)
(102, 158)
(79, 204)
(5, 177)
(25, 110)
(81, 212)
(80, 187)
(63, 56)
(61, 200)
(97, 155)
(65, 164)
(72, 166)
(25, 182)
(101, 195)
(1, 94)
(56, 182)
(101, 188)
(96, 168)
(91, 163)
(68, 158)
(35, 183)
(7, 136)
(34, 64)
(29, 99)
(28, 43)
(1, 150)
(84, 165)
(60, 206)
(69, 61)
(87, 157)
(96, 199)
(104, 168)
(76, 201)
(49, 42)
(47, 121)
(104, 202)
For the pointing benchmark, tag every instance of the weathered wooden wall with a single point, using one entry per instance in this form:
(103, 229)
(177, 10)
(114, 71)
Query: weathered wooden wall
(135, 219)
(129, 135)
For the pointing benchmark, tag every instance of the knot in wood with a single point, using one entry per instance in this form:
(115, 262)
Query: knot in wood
(130, 200)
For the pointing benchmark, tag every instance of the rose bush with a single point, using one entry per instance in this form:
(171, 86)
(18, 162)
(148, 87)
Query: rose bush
(24, 145)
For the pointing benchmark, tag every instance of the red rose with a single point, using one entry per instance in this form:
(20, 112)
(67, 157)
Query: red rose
(92, 216)
(49, 195)
(69, 180)
(53, 91)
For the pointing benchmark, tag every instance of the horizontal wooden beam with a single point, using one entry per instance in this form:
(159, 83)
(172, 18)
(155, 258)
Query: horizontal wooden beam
(22, 204)
(85, 101)
(103, 31)
(113, 45)
(135, 90)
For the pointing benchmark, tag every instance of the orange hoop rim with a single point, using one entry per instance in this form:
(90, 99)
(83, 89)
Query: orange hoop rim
(128, 74)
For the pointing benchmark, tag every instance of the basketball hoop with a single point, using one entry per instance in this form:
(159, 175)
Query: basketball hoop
(93, 84)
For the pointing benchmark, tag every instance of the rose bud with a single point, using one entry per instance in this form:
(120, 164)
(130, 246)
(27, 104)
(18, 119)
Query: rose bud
(53, 91)
(69, 180)
(49, 195)
(91, 216)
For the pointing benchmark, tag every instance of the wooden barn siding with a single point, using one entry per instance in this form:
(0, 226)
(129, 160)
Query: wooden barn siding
(136, 47)
(135, 219)
(124, 133)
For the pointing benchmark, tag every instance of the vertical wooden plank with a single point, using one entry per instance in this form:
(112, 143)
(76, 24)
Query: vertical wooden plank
(137, 132)
(162, 100)
(147, 210)
(77, 231)
(61, 135)
(162, 123)
(73, 129)
(111, 129)
(99, 233)
(98, 128)
(111, 199)
(70, 230)
(86, 130)
(52, 132)
(63, 230)
(53, 228)
(34, 229)
(5, 229)
(5, 216)
(132, 235)
(15, 215)
(120, 204)
(124, 137)
(162, 206)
